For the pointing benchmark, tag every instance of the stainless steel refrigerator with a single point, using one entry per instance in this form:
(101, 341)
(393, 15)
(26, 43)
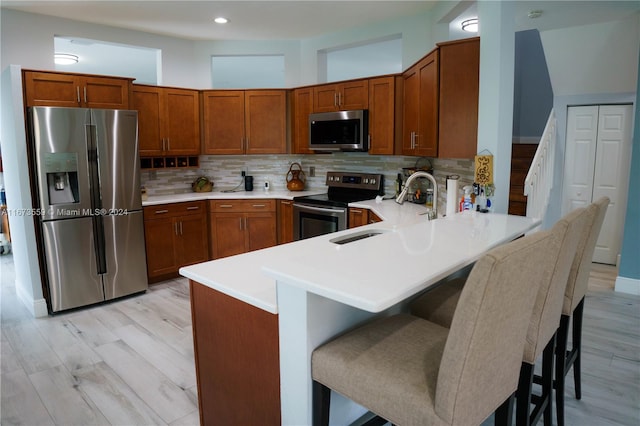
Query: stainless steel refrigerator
(89, 204)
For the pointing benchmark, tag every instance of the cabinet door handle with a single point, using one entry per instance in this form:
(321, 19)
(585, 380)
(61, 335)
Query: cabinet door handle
(85, 94)
(240, 223)
(78, 94)
(180, 227)
(161, 211)
(168, 144)
(416, 144)
(339, 98)
(245, 223)
(335, 99)
(175, 227)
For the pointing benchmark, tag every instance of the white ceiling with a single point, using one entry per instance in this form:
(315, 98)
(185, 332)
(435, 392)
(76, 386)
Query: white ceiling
(272, 20)
(248, 20)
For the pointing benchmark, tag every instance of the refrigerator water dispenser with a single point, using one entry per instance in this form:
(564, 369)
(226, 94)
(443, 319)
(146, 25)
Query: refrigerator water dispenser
(62, 178)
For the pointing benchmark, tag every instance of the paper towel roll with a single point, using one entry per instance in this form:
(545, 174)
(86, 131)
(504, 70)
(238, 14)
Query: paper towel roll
(452, 196)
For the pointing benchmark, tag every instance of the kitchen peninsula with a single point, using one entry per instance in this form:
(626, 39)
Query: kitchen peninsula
(257, 317)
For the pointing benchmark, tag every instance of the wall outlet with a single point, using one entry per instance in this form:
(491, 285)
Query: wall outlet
(312, 171)
(243, 173)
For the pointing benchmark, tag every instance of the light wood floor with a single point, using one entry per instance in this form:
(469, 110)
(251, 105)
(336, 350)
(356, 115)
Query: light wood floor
(130, 362)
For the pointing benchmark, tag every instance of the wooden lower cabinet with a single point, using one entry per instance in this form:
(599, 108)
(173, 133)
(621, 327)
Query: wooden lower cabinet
(237, 360)
(373, 218)
(361, 217)
(357, 217)
(175, 236)
(285, 221)
(239, 226)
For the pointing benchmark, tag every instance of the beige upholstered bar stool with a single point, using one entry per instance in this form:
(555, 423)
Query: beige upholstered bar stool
(541, 335)
(574, 306)
(411, 371)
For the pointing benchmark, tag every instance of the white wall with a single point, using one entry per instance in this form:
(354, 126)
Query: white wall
(28, 39)
(16, 178)
(203, 50)
(599, 58)
(589, 64)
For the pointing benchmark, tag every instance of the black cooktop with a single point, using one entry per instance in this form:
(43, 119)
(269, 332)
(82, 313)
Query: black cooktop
(345, 188)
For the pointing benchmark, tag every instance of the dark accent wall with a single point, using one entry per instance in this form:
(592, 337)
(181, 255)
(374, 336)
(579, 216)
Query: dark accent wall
(629, 265)
(533, 95)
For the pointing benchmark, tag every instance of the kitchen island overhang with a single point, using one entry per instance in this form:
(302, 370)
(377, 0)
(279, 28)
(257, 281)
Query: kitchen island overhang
(321, 288)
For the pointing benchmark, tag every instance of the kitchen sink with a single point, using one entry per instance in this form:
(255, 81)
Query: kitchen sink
(346, 239)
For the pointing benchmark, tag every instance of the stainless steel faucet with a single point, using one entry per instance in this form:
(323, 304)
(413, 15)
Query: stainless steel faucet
(433, 214)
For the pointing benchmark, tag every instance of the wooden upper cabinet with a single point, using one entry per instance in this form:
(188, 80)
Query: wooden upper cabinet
(382, 114)
(302, 106)
(265, 121)
(420, 113)
(75, 90)
(244, 122)
(182, 121)
(149, 104)
(168, 120)
(223, 119)
(348, 95)
(459, 89)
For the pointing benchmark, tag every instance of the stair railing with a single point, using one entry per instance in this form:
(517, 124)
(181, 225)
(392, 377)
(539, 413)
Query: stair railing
(539, 180)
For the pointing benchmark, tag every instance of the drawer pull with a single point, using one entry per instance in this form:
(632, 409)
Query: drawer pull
(225, 206)
(162, 211)
(259, 205)
(193, 208)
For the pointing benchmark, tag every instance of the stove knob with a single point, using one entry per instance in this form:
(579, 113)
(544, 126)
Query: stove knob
(366, 180)
(373, 181)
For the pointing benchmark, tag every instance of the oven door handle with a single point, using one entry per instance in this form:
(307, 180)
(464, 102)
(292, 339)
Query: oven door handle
(320, 209)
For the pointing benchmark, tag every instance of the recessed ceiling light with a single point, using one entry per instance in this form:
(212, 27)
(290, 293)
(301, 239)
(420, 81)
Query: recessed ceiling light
(65, 59)
(470, 25)
(220, 20)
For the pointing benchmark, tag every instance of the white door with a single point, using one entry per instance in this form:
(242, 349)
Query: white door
(597, 160)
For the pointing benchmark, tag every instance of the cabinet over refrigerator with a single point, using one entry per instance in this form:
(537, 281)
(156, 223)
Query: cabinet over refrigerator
(91, 232)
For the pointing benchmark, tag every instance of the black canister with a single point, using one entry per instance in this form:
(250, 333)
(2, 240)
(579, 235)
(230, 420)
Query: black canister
(248, 183)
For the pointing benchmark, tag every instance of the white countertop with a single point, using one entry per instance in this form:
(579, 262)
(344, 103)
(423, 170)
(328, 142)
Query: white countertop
(359, 273)
(219, 195)
(375, 273)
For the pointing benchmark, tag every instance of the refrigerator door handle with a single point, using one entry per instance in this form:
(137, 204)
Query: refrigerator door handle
(96, 202)
(94, 173)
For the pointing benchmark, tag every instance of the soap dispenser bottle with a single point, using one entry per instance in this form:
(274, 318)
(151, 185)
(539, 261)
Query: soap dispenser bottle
(466, 203)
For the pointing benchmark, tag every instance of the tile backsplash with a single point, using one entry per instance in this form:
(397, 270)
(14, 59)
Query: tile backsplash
(225, 171)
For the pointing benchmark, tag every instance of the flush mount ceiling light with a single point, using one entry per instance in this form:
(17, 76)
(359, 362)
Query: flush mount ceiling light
(220, 20)
(65, 59)
(534, 14)
(470, 25)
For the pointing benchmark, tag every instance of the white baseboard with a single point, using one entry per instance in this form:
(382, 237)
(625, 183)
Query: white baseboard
(627, 285)
(37, 307)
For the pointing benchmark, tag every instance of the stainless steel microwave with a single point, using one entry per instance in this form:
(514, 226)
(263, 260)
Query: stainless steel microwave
(339, 131)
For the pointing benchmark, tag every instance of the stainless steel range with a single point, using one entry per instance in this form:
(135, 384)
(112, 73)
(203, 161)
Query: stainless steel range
(315, 215)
